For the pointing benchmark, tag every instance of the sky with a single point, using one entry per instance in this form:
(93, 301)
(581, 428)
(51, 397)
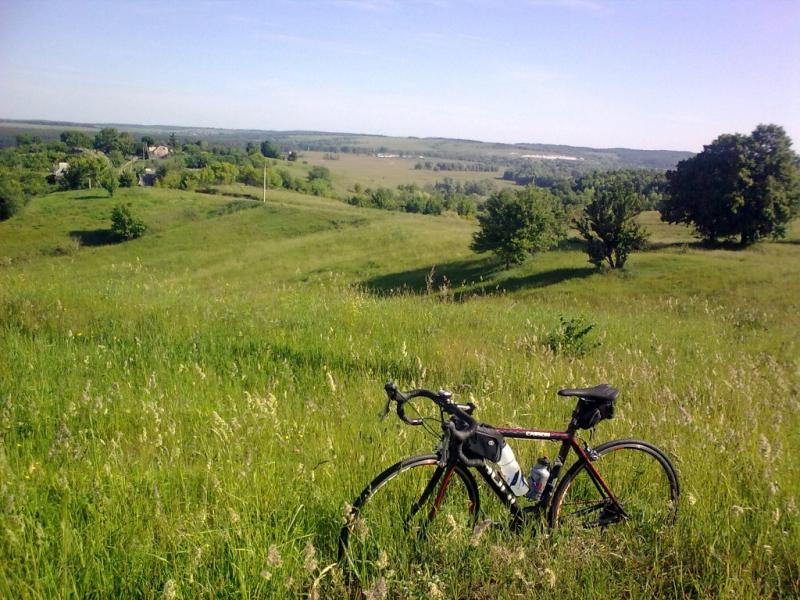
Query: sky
(600, 73)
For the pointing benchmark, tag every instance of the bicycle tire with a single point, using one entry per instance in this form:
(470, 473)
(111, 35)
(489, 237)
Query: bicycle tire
(639, 474)
(395, 522)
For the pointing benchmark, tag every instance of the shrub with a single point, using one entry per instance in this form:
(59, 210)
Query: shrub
(124, 224)
(109, 182)
(516, 223)
(609, 227)
(11, 196)
(127, 179)
(572, 337)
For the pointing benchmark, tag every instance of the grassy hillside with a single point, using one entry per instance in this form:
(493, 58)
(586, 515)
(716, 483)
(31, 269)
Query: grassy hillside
(187, 414)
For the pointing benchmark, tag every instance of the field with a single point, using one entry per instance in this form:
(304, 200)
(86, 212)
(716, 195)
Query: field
(188, 414)
(372, 171)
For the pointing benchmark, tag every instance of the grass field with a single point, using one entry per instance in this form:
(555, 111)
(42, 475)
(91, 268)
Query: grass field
(188, 414)
(372, 171)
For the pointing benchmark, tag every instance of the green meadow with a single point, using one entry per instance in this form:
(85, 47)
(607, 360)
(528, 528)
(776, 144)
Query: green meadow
(373, 171)
(187, 415)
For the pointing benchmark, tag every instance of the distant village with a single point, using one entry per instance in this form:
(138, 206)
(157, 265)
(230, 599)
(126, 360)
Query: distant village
(147, 178)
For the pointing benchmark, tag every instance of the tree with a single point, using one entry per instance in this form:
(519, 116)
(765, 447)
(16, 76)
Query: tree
(27, 139)
(116, 157)
(292, 156)
(269, 150)
(738, 186)
(11, 196)
(317, 172)
(125, 144)
(109, 181)
(127, 179)
(774, 195)
(124, 224)
(84, 170)
(516, 223)
(173, 142)
(76, 139)
(148, 140)
(608, 224)
(106, 139)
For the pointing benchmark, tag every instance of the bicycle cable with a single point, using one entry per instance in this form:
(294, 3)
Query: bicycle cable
(425, 420)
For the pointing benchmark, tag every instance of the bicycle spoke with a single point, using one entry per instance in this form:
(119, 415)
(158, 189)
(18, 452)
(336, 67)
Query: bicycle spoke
(642, 483)
(400, 524)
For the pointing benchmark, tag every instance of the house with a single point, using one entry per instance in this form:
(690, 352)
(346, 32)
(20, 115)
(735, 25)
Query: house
(148, 178)
(61, 170)
(157, 151)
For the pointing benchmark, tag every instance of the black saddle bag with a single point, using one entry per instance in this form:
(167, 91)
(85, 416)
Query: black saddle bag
(486, 443)
(591, 412)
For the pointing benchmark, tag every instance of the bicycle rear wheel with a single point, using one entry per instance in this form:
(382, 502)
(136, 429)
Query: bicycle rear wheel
(640, 476)
(406, 512)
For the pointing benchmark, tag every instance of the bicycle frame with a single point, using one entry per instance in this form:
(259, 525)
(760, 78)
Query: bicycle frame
(503, 491)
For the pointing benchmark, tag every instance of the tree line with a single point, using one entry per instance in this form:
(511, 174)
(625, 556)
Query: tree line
(455, 166)
(740, 187)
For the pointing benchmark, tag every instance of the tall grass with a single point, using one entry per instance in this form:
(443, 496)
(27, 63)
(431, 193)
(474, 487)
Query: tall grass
(188, 414)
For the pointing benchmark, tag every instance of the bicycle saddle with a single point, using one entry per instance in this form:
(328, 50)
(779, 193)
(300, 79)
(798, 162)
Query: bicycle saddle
(598, 392)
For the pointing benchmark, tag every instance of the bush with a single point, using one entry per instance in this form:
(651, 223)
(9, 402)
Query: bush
(11, 196)
(517, 223)
(608, 224)
(109, 182)
(127, 179)
(124, 224)
(572, 337)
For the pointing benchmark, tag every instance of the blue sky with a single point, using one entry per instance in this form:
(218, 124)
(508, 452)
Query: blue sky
(646, 74)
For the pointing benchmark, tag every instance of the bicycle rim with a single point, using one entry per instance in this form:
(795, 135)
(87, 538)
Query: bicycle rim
(408, 514)
(641, 478)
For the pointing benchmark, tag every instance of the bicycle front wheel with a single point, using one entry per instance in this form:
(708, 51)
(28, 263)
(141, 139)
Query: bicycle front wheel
(639, 475)
(411, 509)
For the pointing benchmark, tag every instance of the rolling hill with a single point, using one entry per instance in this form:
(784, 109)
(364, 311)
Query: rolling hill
(189, 413)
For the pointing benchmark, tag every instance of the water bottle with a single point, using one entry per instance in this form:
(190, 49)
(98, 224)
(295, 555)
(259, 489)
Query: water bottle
(512, 474)
(540, 473)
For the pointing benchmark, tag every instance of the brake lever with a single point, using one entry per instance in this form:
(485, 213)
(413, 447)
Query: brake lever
(385, 412)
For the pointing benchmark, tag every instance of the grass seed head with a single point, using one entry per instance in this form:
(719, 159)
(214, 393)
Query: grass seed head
(274, 556)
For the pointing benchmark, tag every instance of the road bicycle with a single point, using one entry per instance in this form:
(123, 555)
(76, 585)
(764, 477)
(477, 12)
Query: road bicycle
(421, 501)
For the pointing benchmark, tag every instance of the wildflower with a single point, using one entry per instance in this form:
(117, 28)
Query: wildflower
(551, 577)
(383, 560)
